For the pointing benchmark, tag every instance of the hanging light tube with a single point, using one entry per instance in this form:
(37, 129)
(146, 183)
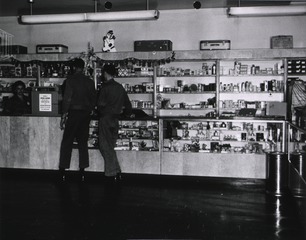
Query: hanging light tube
(123, 16)
(90, 17)
(290, 10)
(53, 18)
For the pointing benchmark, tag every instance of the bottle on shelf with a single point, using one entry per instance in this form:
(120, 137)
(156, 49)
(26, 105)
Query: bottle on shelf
(130, 143)
(18, 71)
(214, 69)
(253, 69)
(29, 70)
(208, 131)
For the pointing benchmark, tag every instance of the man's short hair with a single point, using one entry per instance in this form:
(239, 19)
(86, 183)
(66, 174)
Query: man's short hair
(16, 84)
(110, 69)
(79, 63)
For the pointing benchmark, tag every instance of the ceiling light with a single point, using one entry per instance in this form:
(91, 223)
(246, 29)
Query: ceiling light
(90, 17)
(53, 18)
(267, 11)
(108, 5)
(123, 16)
(197, 4)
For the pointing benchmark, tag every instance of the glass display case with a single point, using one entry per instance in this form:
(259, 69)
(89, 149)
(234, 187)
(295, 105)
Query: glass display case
(139, 135)
(223, 136)
(133, 135)
(296, 90)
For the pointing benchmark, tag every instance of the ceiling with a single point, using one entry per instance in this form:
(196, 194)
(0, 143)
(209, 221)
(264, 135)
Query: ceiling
(23, 7)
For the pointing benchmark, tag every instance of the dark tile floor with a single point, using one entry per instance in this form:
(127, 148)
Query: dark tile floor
(34, 206)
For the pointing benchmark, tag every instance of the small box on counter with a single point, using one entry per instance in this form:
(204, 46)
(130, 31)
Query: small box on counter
(282, 41)
(152, 45)
(215, 45)
(51, 48)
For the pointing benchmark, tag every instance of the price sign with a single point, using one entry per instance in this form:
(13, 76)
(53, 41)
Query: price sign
(45, 102)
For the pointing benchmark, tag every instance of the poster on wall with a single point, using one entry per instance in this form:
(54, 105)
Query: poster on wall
(45, 102)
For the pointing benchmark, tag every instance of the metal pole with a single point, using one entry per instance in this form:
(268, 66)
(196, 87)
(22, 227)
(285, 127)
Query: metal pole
(96, 6)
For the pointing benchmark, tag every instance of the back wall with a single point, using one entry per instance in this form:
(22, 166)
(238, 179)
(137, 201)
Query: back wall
(185, 28)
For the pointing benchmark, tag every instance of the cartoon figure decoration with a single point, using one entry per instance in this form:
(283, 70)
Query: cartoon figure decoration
(109, 42)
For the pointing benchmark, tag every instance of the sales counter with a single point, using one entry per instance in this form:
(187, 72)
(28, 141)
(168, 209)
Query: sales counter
(33, 142)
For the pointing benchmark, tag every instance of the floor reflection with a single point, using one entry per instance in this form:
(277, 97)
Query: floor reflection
(33, 206)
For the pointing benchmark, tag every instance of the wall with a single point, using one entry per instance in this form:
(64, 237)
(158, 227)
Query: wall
(185, 28)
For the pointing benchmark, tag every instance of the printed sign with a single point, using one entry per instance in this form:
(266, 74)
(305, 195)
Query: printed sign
(45, 102)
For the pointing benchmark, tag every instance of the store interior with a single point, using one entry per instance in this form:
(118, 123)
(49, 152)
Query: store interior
(217, 149)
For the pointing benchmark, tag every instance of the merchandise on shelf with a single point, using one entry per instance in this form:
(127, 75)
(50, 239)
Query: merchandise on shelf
(55, 69)
(18, 70)
(206, 69)
(222, 137)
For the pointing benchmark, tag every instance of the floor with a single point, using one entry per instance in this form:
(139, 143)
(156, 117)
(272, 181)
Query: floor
(34, 205)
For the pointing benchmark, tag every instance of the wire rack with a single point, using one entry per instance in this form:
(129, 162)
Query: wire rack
(6, 42)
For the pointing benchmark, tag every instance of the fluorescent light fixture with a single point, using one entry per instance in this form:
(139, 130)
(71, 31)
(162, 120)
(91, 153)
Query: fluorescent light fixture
(123, 16)
(53, 18)
(267, 11)
(91, 17)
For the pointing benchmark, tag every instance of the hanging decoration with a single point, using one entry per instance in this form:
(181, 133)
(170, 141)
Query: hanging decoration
(129, 62)
(89, 58)
(63, 68)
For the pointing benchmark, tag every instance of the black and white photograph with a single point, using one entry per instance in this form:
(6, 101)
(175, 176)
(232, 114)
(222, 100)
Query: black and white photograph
(153, 120)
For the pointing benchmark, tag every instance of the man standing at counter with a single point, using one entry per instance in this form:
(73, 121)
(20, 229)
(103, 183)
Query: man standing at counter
(112, 102)
(78, 103)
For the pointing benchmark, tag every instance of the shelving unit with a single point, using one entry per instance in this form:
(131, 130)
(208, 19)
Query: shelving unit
(234, 146)
(250, 84)
(140, 92)
(186, 88)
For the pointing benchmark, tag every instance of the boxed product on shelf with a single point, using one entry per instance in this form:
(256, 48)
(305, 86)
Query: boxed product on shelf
(282, 41)
(51, 48)
(215, 45)
(152, 45)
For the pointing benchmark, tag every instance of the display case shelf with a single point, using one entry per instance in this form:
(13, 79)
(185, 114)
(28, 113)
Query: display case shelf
(180, 93)
(195, 135)
(188, 76)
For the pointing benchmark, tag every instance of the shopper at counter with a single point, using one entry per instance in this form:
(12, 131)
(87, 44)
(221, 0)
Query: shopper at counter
(113, 101)
(78, 103)
(19, 103)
